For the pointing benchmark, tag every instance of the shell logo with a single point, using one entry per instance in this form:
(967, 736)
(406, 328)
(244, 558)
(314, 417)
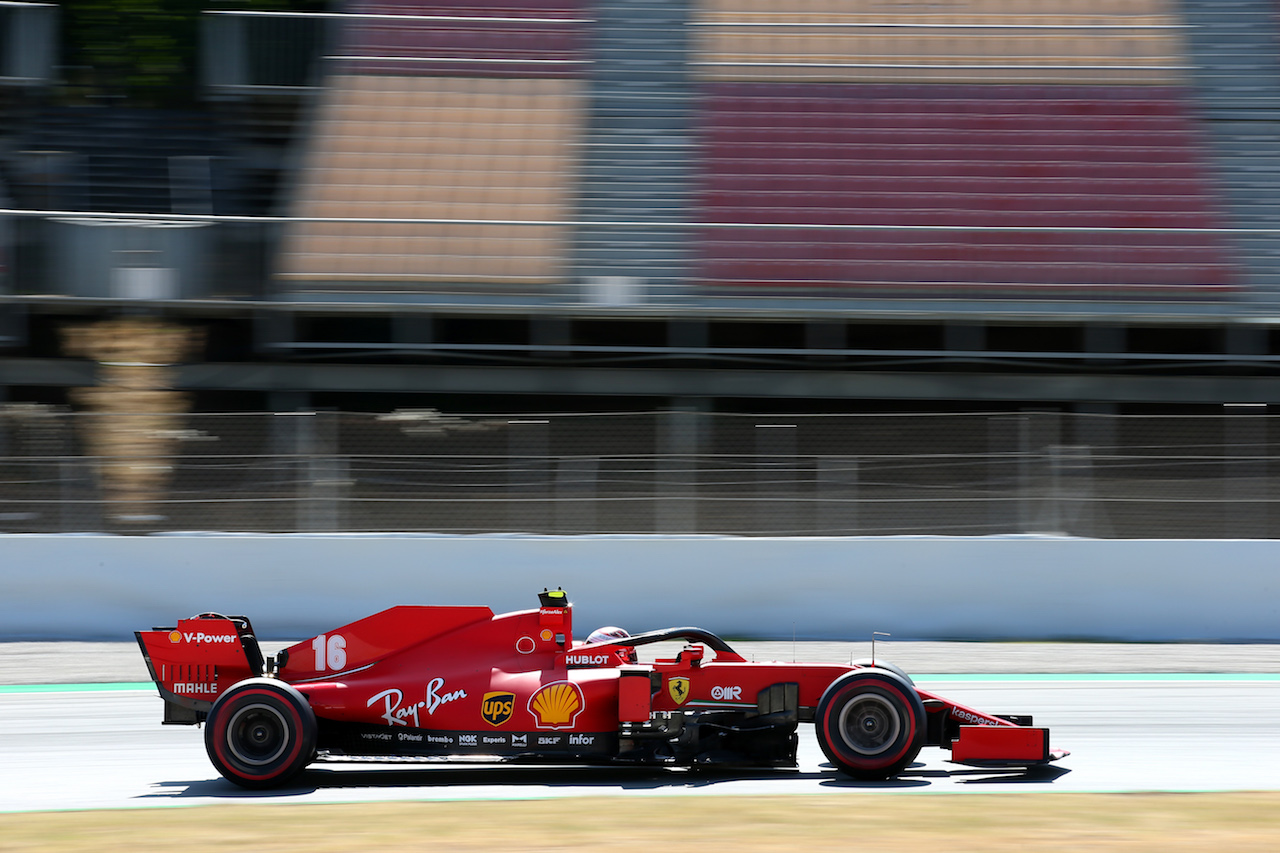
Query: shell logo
(557, 705)
(175, 636)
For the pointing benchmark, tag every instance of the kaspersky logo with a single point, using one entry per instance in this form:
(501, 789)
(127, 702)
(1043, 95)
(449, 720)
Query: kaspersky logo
(200, 637)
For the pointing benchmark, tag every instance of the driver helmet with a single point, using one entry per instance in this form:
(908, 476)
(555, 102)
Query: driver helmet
(606, 634)
(609, 634)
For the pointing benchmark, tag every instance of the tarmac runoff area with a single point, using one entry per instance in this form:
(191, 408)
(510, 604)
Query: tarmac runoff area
(114, 663)
(1135, 717)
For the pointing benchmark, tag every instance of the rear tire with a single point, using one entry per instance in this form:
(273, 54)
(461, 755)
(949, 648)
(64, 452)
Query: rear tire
(870, 723)
(260, 733)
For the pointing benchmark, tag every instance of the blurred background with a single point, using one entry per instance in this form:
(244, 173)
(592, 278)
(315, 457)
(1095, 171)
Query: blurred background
(814, 267)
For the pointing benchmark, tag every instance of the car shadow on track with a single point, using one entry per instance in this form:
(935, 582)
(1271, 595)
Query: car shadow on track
(918, 775)
(1041, 775)
(318, 778)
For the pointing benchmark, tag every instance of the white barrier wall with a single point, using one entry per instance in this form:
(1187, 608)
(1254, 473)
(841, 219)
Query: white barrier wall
(105, 587)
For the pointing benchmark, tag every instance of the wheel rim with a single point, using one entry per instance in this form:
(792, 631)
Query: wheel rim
(869, 724)
(257, 734)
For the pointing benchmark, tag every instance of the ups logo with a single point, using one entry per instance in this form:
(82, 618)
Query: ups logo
(495, 708)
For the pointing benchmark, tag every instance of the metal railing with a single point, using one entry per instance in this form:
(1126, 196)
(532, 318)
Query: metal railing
(79, 253)
(674, 472)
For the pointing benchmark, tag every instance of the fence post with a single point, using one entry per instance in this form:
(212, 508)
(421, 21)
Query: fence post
(1041, 431)
(528, 452)
(321, 484)
(1005, 471)
(837, 496)
(776, 478)
(576, 495)
(1070, 500)
(676, 481)
(1244, 475)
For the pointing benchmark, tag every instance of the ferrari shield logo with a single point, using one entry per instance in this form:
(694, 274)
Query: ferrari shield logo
(679, 689)
(496, 707)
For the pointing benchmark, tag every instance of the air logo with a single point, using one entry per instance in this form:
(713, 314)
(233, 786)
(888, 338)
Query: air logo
(496, 708)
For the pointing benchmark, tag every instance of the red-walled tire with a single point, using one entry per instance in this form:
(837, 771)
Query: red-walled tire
(881, 664)
(260, 733)
(870, 723)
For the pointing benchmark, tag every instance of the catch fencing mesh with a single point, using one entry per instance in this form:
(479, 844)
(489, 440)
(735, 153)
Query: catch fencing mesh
(671, 472)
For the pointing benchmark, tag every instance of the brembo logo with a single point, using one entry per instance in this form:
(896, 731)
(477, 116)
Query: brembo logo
(200, 637)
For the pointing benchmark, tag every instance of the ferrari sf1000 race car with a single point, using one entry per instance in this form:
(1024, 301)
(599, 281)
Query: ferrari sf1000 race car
(460, 682)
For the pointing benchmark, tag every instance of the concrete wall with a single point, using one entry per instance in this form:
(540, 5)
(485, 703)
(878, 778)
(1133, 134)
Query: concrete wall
(291, 586)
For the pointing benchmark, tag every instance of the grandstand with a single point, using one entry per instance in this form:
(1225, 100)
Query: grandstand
(967, 123)
(567, 204)
(958, 174)
(863, 134)
(469, 112)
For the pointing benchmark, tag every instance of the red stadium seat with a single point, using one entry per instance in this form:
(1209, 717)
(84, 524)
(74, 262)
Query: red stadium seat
(966, 158)
(472, 38)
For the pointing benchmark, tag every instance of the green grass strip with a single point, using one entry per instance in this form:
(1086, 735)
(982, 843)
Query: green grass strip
(118, 687)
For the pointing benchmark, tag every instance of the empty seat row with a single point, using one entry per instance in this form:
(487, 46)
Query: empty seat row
(1076, 163)
(423, 148)
(1051, 40)
(475, 39)
(836, 185)
(1098, 166)
(909, 97)
(1140, 157)
(912, 273)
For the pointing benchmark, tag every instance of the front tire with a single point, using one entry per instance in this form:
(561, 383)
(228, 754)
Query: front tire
(260, 733)
(883, 664)
(870, 723)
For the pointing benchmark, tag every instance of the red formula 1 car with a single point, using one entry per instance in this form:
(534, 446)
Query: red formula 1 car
(438, 682)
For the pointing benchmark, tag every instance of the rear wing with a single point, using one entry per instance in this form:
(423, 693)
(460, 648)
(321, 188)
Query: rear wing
(193, 662)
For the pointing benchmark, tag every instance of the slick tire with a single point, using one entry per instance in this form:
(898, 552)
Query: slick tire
(884, 664)
(260, 733)
(870, 723)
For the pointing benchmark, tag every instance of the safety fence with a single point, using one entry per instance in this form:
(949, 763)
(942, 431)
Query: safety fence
(1104, 476)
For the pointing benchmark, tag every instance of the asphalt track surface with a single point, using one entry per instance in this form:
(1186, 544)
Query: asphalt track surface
(1146, 718)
